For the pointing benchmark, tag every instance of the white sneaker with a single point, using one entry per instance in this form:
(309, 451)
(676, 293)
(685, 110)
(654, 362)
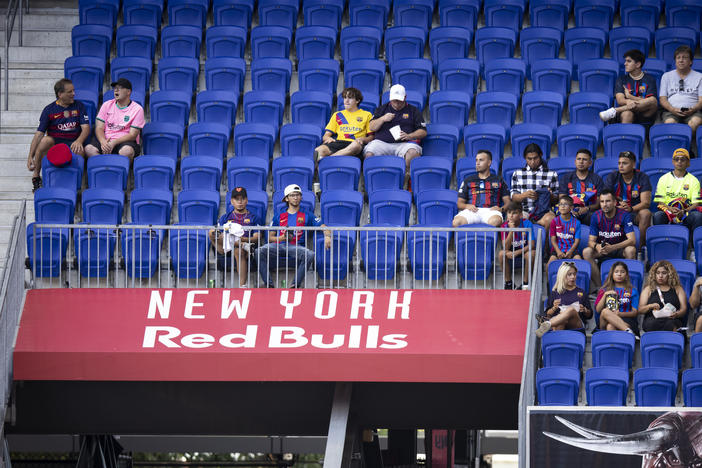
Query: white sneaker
(693, 257)
(543, 328)
(608, 114)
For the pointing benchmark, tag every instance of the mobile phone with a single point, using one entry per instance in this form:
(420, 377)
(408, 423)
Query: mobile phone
(684, 109)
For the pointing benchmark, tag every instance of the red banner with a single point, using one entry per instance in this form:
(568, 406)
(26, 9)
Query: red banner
(272, 335)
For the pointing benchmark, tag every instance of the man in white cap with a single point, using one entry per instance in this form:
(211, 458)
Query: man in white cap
(398, 128)
(287, 247)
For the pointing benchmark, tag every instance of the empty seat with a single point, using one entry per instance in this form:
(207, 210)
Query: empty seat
(264, 107)
(683, 13)
(667, 241)
(249, 172)
(271, 74)
(697, 244)
(201, 173)
(323, 12)
(225, 41)
(198, 207)
(430, 173)
(585, 108)
(255, 140)
(360, 42)
(413, 74)
(655, 386)
(459, 13)
(666, 138)
(606, 386)
(441, 140)
(141, 249)
(383, 172)
(549, 13)
(450, 107)
(598, 75)
(232, 13)
(208, 139)
(68, 177)
(341, 207)
(655, 67)
(558, 386)
(188, 12)
(270, 41)
(91, 40)
(494, 42)
(509, 165)
(563, 348)
(170, 106)
(475, 253)
(86, 73)
(692, 387)
(299, 139)
(94, 249)
(594, 14)
(496, 107)
(369, 13)
(54, 205)
(505, 75)
(629, 37)
(318, 75)
(178, 73)
(339, 172)
(446, 42)
(459, 75)
(293, 170)
(315, 42)
(217, 107)
(365, 74)
(487, 136)
(278, 13)
(404, 42)
(543, 107)
(605, 166)
(538, 43)
(181, 41)
(655, 168)
(98, 12)
(163, 138)
(188, 251)
(436, 207)
(145, 12)
(427, 250)
(617, 138)
(380, 252)
(136, 69)
(413, 13)
(334, 263)
(390, 207)
(136, 41)
(573, 137)
(523, 134)
(108, 171)
(643, 13)
(154, 172)
(310, 107)
(225, 74)
(551, 75)
(150, 206)
(584, 44)
(696, 350)
(102, 206)
(687, 271)
(613, 348)
(669, 39)
(504, 13)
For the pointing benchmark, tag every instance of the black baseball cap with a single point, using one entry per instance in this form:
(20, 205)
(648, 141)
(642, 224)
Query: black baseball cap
(239, 192)
(122, 83)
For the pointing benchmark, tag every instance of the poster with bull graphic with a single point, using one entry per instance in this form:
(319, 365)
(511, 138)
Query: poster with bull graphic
(622, 438)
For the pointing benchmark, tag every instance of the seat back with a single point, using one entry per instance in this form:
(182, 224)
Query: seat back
(662, 349)
(558, 386)
(612, 348)
(606, 386)
(390, 207)
(563, 348)
(102, 206)
(655, 386)
(341, 207)
(151, 206)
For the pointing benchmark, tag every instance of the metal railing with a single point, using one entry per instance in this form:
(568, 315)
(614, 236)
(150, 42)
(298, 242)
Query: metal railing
(353, 257)
(12, 7)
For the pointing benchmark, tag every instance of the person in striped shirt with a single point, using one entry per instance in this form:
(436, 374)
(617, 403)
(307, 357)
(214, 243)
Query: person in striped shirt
(564, 232)
(481, 195)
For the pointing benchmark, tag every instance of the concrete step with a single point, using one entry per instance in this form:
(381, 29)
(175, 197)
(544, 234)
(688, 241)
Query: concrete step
(30, 100)
(16, 187)
(47, 19)
(14, 119)
(10, 151)
(38, 37)
(40, 55)
(17, 138)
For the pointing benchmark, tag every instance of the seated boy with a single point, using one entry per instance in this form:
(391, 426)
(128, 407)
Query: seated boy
(517, 247)
(564, 232)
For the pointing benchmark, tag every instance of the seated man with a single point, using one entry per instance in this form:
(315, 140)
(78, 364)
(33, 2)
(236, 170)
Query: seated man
(564, 232)
(611, 234)
(63, 121)
(535, 187)
(400, 117)
(635, 92)
(632, 188)
(286, 247)
(347, 131)
(678, 195)
(582, 185)
(681, 91)
(481, 195)
(118, 124)
(241, 247)
(517, 247)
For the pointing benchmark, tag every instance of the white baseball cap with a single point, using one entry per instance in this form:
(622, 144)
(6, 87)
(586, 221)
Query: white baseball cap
(397, 92)
(292, 188)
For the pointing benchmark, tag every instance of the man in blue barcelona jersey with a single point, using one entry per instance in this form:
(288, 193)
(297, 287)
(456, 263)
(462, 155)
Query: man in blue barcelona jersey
(481, 196)
(287, 247)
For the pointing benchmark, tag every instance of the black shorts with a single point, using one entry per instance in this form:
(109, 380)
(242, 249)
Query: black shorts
(616, 255)
(135, 146)
(337, 145)
(63, 140)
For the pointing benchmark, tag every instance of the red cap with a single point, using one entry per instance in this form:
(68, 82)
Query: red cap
(59, 155)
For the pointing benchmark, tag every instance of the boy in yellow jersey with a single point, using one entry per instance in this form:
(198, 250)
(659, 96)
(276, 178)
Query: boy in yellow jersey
(347, 131)
(678, 194)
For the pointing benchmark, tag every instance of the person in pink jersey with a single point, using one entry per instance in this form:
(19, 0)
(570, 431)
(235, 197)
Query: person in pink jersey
(118, 124)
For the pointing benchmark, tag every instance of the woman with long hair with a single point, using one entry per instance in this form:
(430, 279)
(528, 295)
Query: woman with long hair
(663, 292)
(617, 301)
(568, 305)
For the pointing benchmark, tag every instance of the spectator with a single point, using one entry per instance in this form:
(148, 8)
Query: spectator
(632, 188)
(681, 91)
(287, 247)
(63, 121)
(663, 292)
(535, 187)
(118, 125)
(347, 131)
(397, 128)
(242, 246)
(635, 92)
(617, 301)
(678, 194)
(516, 246)
(481, 195)
(695, 299)
(611, 234)
(582, 185)
(568, 306)
(564, 232)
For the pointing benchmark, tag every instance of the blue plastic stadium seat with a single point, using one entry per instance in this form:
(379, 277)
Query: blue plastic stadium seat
(365, 74)
(582, 280)
(108, 171)
(459, 75)
(550, 13)
(637, 271)
(383, 172)
(86, 73)
(606, 386)
(188, 251)
(141, 249)
(493, 43)
(692, 387)
(198, 207)
(46, 250)
(404, 42)
(430, 173)
(696, 350)
(341, 207)
(436, 207)
(697, 244)
(293, 170)
(188, 12)
(360, 42)
(543, 107)
(504, 13)
(551, 75)
(573, 137)
(584, 43)
(475, 253)
(318, 75)
(413, 74)
(170, 106)
(459, 13)
(181, 41)
(255, 140)
(68, 177)
(496, 107)
(144, 12)
(598, 75)
(626, 38)
(201, 173)
(585, 108)
(315, 42)
(594, 13)
(655, 67)
(613, 348)
(154, 172)
(271, 74)
(54, 205)
(509, 165)
(605, 166)
(449, 42)
(334, 263)
(558, 386)
(413, 13)
(310, 107)
(655, 386)
(91, 40)
(249, 172)
(178, 73)
(270, 41)
(298, 139)
(225, 41)
(163, 139)
(264, 107)
(563, 348)
(669, 39)
(102, 206)
(339, 172)
(208, 139)
(136, 41)
(216, 107)
(371, 13)
(427, 251)
(655, 168)
(643, 13)
(667, 241)
(450, 107)
(323, 12)
(225, 74)
(102, 12)
(151, 206)
(441, 140)
(94, 250)
(666, 138)
(538, 43)
(683, 13)
(617, 138)
(390, 207)
(232, 13)
(90, 101)
(485, 136)
(278, 13)
(380, 252)
(505, 75)
(523, 134)
(687, 271)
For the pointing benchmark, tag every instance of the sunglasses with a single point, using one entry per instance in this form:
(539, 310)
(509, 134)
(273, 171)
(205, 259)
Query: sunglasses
(679, 159)
(570, 264)
(682, 85)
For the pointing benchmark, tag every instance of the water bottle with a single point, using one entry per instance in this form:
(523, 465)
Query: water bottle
(283, 284)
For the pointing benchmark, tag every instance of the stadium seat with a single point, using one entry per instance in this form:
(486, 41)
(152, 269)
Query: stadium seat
(371, 13)
(54, 205)
(475, 252)
(216, 107)
(308, 201)
(666, 138)
(360, 42)
(617, 138)
(585, 43)
(86, 73)
(551, 75)
(561, 165)
(293, 170)
(696, 350)
(255, 140)
(341, 207)
(91, 40)
(416, 13)
(281, 13)
(687, 271)
(655, 67)
(188, 12)
(509, 165)
(605, 166)
(404, 42)
(323, 12)
(225, 74)
(298, 139)
(250, 172)
(178, 73)
(181, 41)
(334, 263)
(436, 207)
(594, 14)
(390, 207)
(315, 42)
(613, 348)
(637, 271)
(225, 41)
(598, 75)
(626, 38)
(163, 138)
(504, 13)
(582, 280)
(46, 250)
(413, 74)
(606, 386)
(270, 42)
(523, 134)
(549, 13)
(98, 12)
(496, 107)
(692, 387)
(666, 242)
(585, 108)
(154, 172)
(201, 173)
(697, 244)
(90, 101)
(643, 13)
(198, 207)
(102, 205)
(67, 177)
(108, 171)
(494, 42)
(430, 173)
(94, 250)
(505, 75)
(150, 206)
(170, 106)
(144, 12)
(563, 348)
(427, 252)
(447, 42)
(655, 168)
(208, 139)
(459, 13)
(318, 75)
(383, 172)
(141, 249)
(669, 39)
(450, 107)
(264, 107)
(380, 252)
(136, 41)
(232, 13)
(683, 13)
(365, 74)
(136, 69)
(573, 137)
(538, 43)
(310, 107)
(544, 107)
(485, 136)
(441, 140)
(459, 75)
(339, 172)
(662, 349)
(271, 74)
(695, 167)
(188, 251)
(558, 386)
